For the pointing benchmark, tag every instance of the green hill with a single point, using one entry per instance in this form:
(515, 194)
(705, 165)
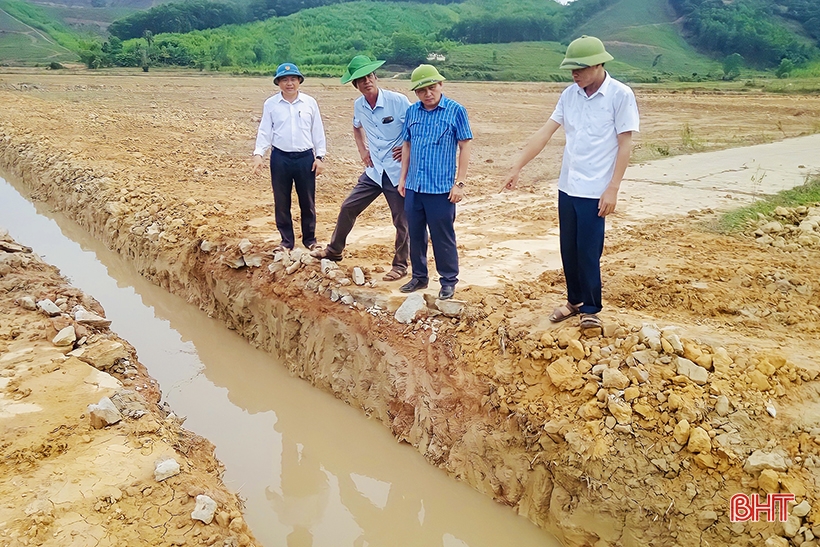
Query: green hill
(645, 35)
(651, 40)
(27, 36)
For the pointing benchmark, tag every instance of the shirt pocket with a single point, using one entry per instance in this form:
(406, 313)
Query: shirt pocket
(441, 133)
(391, 130)
(305, 118)
(600, 122)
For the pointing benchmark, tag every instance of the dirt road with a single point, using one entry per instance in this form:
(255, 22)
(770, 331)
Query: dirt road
(558, 423)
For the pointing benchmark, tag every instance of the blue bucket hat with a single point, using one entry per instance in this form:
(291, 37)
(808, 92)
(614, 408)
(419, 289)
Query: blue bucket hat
(287, 69)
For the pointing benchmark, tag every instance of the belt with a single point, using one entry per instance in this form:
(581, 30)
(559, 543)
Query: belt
(301, 154)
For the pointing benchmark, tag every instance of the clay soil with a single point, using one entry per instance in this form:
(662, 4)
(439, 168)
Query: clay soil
(157, 164)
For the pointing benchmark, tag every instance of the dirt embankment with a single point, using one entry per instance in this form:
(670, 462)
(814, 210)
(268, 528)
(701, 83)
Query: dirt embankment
(702, 383)
(83, 434)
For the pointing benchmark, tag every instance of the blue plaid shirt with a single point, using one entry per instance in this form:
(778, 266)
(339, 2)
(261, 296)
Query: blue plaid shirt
(433, 136)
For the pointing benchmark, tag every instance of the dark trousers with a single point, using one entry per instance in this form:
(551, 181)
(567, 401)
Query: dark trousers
(362, 195)
(433, 211)
(582, 244)
(289, 169)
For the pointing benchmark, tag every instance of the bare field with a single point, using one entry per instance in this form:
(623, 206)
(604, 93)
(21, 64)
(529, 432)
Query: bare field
(156, 163)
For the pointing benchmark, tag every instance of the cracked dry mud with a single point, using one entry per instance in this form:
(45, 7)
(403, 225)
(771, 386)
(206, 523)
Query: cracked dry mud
(636, 435)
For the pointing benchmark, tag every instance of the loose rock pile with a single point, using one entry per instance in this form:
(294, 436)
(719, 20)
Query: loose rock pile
(639, 405)
(792, 228)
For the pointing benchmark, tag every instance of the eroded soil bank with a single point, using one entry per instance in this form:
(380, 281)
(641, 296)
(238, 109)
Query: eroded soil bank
(70, 476)
(701, 385)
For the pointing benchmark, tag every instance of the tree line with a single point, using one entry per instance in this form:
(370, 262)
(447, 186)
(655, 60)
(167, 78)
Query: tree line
(554, 25)
(751, 29)
(805, 12)
(190, 15)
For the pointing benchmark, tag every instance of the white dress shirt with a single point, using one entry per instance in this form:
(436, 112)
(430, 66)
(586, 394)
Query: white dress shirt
(291, 127)
(592, 125)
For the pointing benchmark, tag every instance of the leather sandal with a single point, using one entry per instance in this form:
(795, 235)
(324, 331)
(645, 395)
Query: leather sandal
(325, 253)
(393, 275)
(564, 311)
(591, 321)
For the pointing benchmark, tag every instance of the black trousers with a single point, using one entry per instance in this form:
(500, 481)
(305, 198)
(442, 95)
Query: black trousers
(362, 195)
(438, 213)
(581, 234)
(289, 169)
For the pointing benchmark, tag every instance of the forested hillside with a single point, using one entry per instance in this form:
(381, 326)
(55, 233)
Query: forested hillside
(752, 28)
(478, 39)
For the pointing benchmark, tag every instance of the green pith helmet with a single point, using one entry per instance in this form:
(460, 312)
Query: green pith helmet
(359, 67)
(423, 76)
(585, 51)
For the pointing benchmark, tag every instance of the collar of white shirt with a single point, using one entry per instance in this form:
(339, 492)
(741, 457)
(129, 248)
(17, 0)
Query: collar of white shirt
(602, 90)
(284, 100)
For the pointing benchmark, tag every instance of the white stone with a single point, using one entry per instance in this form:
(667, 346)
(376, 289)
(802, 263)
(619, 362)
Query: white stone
(244, 246)
(650, 336)
(760, 460)
(674, 341)
(293, 267)
(358, 276)
(791, 526)
(206, 246)
(451, 307)
(691, 370)
(49, 307)
(348, 300)
(204, 510)
(410, 308)
(103, 413)
(776, 541)
(253, 261)
(82, 315)
(328, 265)
(27, 303)
(771, 409)
(722, 406)
(66, 337)
(166, 469)
(772, 227)
(801, 509)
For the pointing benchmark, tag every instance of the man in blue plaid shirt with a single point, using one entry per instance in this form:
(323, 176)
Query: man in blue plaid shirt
(435, 156)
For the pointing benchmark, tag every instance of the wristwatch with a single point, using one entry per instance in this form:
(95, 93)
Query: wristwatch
(460, 184)
(320, 158)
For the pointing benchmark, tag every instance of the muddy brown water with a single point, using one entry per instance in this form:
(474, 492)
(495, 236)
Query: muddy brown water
(313, 471)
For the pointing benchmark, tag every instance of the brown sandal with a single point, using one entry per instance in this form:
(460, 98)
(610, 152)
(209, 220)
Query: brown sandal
(591, 321)
(393, 275)
(564, 311)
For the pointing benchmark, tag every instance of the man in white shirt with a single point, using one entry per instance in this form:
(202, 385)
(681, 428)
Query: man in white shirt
(599, 115)
(292, 126)
(378, 121)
